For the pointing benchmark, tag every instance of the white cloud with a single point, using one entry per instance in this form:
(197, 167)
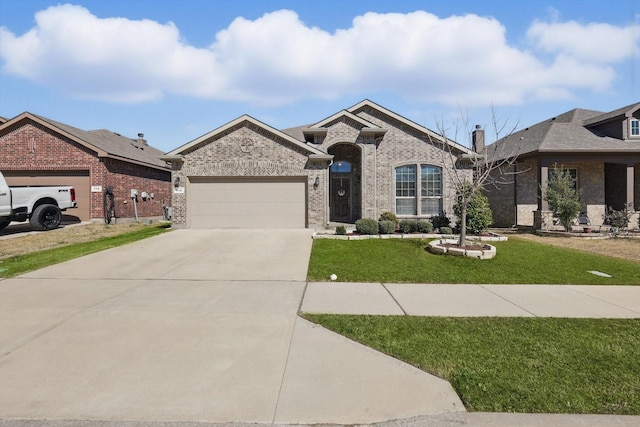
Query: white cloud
(594, 42)
(277, 58)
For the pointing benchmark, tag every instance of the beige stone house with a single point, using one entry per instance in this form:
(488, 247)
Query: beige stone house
(357, 163)
(601, 150)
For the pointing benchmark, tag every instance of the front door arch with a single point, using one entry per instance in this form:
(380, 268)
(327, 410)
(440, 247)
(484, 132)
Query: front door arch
(345, 176)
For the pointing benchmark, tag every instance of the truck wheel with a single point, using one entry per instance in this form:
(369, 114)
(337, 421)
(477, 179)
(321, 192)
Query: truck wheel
(4, 223)
(45, 217)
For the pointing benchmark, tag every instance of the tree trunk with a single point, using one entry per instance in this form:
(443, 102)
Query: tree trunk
(463, 226)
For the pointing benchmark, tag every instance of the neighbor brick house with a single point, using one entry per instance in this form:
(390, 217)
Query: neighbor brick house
(39, 151)
(601, 150)
(357, 163)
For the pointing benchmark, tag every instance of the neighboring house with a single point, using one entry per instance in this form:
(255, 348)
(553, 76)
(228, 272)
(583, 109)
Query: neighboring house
(601, 150)
(357, 163)
(39, 151)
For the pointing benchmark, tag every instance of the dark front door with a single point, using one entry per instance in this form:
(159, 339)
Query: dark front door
(340, 199)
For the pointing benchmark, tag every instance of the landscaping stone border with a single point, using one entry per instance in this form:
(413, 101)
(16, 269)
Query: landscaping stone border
(438, 247)
(350, 236)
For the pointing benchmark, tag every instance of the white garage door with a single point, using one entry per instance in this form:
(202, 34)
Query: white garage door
(247, 203)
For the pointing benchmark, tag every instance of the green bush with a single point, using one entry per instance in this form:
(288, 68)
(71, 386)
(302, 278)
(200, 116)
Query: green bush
(479, 215)
(341, 230)
(446, 230)
(440, 221)
(367, 226)
(389, 216)
(618, 219)
(408, 226)
(563, 196)
(386, 227)
(424, 226)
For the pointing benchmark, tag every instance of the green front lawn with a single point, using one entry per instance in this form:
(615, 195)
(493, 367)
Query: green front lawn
(534, 365)
(21, 264)
(517, 261)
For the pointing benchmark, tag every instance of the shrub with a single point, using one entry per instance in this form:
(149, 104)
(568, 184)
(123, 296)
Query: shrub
(440, 221)
(446, 230)
(389, 216)
(562, 196)
(479, 215)
(617, 219)
(386, 227)
(408, 226)
(367, 226)
(424, 226)
(341, 230)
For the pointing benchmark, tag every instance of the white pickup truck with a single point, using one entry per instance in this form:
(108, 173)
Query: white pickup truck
(42, 206)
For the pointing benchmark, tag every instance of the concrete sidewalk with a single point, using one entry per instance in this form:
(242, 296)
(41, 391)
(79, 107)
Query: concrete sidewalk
(200, 328)
(472, 300)
(188, 327)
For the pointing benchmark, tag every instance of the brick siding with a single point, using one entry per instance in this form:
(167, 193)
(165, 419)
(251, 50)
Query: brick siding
(29, 146)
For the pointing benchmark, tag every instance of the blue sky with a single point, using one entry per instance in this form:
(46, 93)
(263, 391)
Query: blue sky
(175, 70)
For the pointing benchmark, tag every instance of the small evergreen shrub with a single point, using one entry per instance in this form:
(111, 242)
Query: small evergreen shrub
(479, 215)
(619, 219)
(340, 230)
(424, 226)
(440, 221)
(446, 230)
(389, 216)
(408, 226)
(386, 227)
(367, 226)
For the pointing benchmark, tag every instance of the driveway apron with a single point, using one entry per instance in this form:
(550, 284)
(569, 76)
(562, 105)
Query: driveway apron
(192, 325)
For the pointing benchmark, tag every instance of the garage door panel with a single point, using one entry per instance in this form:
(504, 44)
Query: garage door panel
(242, 203)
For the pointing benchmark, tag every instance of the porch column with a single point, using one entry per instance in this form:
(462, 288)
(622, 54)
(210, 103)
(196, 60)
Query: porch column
(630, 186)
(544, 182)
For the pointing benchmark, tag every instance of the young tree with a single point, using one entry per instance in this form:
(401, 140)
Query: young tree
(563, 196)
(491, 165)
(479, 215)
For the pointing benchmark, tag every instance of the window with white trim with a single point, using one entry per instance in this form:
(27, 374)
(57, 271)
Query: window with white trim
(635, 127)
(428, 189)
(406, 190)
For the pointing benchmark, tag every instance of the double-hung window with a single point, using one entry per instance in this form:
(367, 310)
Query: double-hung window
(406, 190)
(421, 197)
(635, 127)
(430, 190)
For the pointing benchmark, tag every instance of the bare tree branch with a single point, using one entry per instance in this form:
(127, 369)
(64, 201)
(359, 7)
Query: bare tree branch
(491, 165)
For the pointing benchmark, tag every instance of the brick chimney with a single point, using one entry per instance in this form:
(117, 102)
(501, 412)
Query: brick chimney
(477, 139)
(141, 139)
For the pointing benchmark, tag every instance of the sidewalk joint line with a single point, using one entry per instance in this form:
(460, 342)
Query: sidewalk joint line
(506, 300)
(596, 298)
(394, 298)
(284, 371)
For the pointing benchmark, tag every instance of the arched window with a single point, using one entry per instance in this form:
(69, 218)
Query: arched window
(341, 167)
(428, 189)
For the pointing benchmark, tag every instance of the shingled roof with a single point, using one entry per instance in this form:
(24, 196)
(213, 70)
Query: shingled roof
(567, 132)
(104, 142)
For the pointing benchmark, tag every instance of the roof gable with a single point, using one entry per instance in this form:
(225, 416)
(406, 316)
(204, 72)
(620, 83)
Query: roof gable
(186, 148)
(612, 115)
(567, 132)
(102, 142)
(431, 135)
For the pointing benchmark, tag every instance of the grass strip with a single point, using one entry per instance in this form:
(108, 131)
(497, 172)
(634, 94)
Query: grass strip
(517, 261)
(21, 264)
(532, 365)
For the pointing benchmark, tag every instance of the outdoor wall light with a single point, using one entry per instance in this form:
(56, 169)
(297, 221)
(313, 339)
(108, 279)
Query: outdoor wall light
(316, 183)
(176, 183)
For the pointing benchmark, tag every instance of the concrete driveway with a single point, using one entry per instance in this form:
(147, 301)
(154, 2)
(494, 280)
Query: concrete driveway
(193, 326)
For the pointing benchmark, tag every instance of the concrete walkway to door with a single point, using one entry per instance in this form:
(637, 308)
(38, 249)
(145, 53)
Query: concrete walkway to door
(193, 326)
